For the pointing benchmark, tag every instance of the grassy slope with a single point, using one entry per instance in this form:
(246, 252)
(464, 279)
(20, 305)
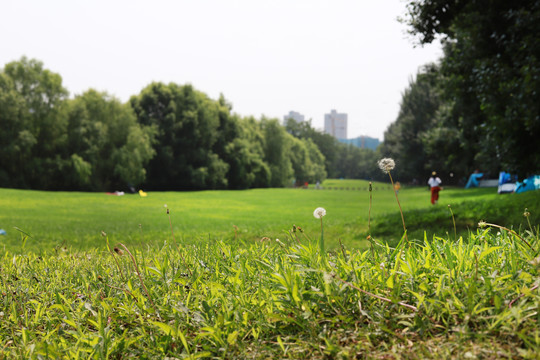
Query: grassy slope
(505, 210)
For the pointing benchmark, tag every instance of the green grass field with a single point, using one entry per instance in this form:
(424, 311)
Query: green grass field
(67, 292)
(76, 219)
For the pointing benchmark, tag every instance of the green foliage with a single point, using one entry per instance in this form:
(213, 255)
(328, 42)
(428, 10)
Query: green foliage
(108, 148)
(33, 125)
(355, 163)
(168, 137)
(186, 122)
(277, 147)
(327, 144)
(403, 140)
(307, 161)
(490, 68)
(92, 142)
(245, 156)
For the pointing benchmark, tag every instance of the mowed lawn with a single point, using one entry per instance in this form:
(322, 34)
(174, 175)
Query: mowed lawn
(76, 219)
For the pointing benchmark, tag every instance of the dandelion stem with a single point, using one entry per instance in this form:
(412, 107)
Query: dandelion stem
(321, 241)
(369, 211)
(399, 205)
(139, 274)
(520, 296)
(527, 214)
(507, 229)
(170, 224)
(369, 220)
(117, 264)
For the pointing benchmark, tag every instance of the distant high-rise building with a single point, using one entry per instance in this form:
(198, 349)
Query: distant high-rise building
(335, 124)
(296, 116)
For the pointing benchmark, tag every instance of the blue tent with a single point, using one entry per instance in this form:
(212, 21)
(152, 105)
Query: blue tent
(507, 183)
(473, 180)
(530, 183)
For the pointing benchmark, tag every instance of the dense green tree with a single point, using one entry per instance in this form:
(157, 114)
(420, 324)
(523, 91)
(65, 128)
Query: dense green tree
(403, 139)
(108, 149)
(356, 163)
(492, 61)
(186, 123)
(307, 161)
(318, 162)
(33, 123)
(277, 146)
(446, 147)
(245, 155)
(169, 137)
(16, 141)
(430, 134)
(327, 144)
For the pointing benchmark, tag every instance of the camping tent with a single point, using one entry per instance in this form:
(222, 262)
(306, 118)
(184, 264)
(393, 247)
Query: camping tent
(473, 180)
(507, 183)
(530, 183)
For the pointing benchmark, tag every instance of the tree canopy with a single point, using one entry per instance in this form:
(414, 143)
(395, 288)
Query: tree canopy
(167, 137)
(489, 79)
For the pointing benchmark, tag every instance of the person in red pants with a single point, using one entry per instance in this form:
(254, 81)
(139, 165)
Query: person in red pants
(434, 182)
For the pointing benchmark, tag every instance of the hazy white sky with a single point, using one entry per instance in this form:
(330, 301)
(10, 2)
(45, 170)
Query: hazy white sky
(266, 56)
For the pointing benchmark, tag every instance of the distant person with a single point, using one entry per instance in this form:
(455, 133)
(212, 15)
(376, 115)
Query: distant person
(397, 186)
(434, 182)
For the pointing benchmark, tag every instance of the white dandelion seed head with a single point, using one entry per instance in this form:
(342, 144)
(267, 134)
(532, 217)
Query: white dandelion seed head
(386, 165)
(319, 212)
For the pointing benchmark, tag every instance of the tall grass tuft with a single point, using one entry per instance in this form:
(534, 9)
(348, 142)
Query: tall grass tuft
(453, 221)
(174, 241)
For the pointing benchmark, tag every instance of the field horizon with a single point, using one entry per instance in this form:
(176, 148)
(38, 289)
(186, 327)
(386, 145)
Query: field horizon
(77, 219)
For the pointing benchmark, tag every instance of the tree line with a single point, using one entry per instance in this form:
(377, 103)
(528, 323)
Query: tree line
(168, 137)
(478, 107)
